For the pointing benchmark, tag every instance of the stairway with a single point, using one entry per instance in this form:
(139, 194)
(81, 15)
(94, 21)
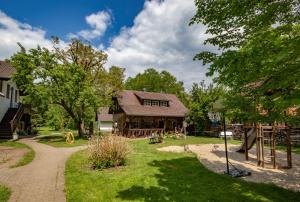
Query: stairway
(5, 127)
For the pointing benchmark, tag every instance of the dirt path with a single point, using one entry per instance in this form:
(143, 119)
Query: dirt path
(42, 179)
(212, 156)
(9, 156)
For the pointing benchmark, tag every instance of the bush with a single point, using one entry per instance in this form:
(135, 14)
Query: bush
(108, 151)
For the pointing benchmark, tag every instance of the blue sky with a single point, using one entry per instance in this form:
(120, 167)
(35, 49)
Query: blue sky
(59, 18)
(135, 34)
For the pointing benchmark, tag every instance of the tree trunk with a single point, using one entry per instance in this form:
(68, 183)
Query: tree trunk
(80, 128)
(91, 128)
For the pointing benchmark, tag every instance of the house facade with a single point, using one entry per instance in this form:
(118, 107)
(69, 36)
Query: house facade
(13, 115)
(139, 113)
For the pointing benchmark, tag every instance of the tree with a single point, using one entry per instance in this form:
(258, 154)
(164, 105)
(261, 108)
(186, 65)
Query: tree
(201, 99)
(231, 23)
(259, 57)
(73, 78)
(153, 81)
(57, 118)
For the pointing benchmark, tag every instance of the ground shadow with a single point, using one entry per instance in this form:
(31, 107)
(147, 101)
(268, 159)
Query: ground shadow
(185, 179)
(56, 138)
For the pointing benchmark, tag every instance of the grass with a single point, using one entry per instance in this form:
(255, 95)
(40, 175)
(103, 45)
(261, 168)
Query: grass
(151, 175)
(295, 148)
(47, 131)
(4, 193)
(57, 138)
(197, 140)
(26, 159)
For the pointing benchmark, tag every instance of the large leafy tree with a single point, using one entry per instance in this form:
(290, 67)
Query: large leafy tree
(258, 57)
(201, 99)
(73, 78)
(153, 81)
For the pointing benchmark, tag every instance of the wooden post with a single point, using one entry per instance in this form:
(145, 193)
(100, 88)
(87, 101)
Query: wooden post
(246, 143)
(262, 144)
(226, 153)
(273, 147)
(165, 124)
(257, 131)
(288, 147)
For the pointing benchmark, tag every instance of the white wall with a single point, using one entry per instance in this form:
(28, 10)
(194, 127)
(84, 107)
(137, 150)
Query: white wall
(4, 105)
(105, 126)
(5, 102)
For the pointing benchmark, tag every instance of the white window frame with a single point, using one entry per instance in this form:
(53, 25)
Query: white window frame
(147, 102)
(154, 102)
(164, 103)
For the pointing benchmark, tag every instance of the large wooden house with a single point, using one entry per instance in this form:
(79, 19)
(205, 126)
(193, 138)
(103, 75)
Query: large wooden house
(13, 114)
(139, 113)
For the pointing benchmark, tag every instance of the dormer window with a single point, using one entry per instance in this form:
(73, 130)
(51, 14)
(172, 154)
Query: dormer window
(147, 102)
(164, 103)
(161, 103)
(155, 103)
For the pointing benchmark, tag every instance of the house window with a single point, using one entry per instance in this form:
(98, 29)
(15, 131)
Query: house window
(134, 124)
(7, 91)
(147, 102)
(155, 103)
(16, 96)
(164, 103)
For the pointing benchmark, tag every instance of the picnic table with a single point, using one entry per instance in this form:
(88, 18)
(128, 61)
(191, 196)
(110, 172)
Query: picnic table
(155, 138)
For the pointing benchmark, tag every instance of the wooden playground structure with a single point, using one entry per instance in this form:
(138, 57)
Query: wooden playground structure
(266, 135)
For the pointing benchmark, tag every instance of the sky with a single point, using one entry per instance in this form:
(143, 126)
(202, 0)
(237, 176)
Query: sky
(136, 34)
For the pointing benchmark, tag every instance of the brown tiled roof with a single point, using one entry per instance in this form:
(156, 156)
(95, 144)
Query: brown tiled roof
(128, 101)
(103, 114)
(151, 96)
(6, 70)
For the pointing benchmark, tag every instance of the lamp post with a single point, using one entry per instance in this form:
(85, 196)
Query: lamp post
(218, 108)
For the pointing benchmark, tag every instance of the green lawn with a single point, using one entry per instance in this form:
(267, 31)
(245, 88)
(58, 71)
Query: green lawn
(295, 148)
(197, 140)
(27, 158)
(57, 138)
(151, 175)
(4, 193)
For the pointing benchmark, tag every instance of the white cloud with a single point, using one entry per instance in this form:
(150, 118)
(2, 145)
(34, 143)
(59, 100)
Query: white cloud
(13, 31)
(161, 38)
(98, 23)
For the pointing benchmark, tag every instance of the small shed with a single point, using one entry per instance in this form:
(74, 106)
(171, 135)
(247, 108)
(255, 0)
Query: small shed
(105, 120)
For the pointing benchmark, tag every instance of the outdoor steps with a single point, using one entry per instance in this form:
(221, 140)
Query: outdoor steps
(5, 128)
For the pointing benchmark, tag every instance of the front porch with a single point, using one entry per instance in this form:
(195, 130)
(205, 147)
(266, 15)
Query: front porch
(143, 126)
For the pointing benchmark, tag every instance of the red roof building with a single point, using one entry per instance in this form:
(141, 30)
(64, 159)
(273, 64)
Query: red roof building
(138, 111)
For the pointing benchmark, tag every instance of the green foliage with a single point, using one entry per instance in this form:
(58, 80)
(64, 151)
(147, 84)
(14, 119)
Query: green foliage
(4, 193)
(232, 22)
(57, 118)
(73, 78)
(260, 57)
(201, 99)
(153, 81)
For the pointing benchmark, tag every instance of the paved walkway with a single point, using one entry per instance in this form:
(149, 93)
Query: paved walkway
(43, 179)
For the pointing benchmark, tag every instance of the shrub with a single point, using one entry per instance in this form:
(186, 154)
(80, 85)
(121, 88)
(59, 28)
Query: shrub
(108, 151)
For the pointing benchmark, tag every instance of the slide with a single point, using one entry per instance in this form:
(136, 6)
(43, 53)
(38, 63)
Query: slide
(251, 136)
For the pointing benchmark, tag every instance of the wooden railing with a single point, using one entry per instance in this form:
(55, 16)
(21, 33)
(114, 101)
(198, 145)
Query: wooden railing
(15, 121)
(138, 132)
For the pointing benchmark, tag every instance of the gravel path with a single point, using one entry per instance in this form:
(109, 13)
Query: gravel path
(42, 179)
(212, 156)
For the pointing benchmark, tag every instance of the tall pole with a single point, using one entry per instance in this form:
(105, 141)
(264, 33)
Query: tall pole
(225, 138)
